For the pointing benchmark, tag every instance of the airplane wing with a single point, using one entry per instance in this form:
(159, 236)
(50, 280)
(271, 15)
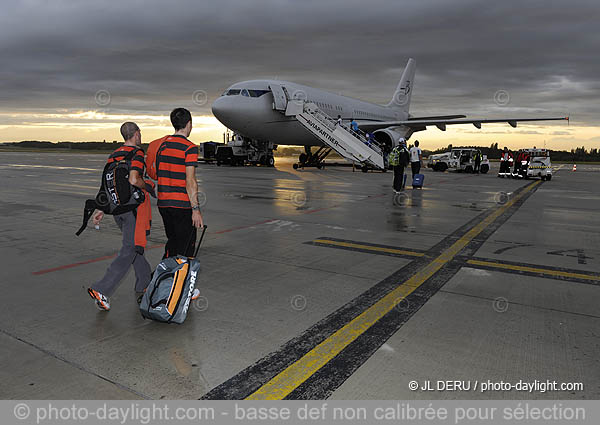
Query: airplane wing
(438, 117)
(421, 124)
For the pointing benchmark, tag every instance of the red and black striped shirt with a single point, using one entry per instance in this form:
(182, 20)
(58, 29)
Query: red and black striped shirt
(137, 163)
(175, 153)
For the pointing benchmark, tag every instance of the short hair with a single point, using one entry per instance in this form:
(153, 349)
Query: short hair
(416, 143)
(180, 117)
(128, 130)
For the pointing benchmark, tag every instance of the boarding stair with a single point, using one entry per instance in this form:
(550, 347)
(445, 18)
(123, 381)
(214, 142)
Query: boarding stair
(349, 144)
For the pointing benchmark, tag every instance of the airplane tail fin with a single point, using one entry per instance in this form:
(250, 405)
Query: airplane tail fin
(401, 99)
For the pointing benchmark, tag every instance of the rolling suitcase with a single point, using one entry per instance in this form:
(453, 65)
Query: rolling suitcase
(418, 181)
(168, 296)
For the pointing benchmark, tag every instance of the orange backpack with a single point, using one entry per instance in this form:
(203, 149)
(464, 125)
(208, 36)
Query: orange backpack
(151, 165)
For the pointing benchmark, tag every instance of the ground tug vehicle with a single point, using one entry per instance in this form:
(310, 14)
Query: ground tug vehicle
(459, 159)
(535, 164)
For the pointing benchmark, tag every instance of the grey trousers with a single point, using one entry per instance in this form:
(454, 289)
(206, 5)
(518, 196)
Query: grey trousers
(126, 257)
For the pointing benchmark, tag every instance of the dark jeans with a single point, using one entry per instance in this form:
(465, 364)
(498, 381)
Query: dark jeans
(180, 231)
(477, 165)
(416, 167)
(398, 177)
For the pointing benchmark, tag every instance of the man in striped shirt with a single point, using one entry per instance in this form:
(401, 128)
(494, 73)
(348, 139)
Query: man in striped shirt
(176, 162)
(135, 226)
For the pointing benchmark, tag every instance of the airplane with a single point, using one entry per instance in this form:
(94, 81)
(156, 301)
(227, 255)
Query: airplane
(257, 112)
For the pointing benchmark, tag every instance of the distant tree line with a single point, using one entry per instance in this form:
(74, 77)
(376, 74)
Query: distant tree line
(84, 146)
(493, 152)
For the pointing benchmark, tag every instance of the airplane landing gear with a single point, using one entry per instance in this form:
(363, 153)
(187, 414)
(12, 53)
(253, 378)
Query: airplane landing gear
(309, 159)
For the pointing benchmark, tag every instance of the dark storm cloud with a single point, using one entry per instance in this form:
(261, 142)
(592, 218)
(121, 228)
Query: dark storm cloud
(152, 55)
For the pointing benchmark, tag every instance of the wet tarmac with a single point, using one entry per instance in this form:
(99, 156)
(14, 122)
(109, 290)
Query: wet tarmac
(315, 284)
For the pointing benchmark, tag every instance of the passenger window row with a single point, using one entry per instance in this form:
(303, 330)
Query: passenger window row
(327, 105)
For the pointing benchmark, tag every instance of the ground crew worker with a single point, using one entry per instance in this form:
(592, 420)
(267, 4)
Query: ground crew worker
(505, 159)
(415, 159)
(398, 159)
(134, 225)
(174, 159)
(523, 167)
(477, 161)
(517, 167)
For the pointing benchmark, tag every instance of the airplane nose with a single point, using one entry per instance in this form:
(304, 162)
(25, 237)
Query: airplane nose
(221, 110)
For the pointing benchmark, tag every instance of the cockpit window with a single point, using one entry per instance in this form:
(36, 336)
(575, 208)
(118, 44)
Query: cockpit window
(257, 93)
(245, 92)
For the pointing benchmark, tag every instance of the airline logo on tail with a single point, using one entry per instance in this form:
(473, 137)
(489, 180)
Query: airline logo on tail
(401, 97)
(407, 88)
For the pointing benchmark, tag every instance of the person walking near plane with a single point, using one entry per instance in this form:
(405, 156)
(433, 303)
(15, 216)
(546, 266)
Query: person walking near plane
(134, 225)
(354, 125)
(172, 160)
(477, 161)
(339, 120)
(415, 159)
(398, 159)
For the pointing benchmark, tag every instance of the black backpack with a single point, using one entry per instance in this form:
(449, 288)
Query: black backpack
(116, 194)
(404, 157)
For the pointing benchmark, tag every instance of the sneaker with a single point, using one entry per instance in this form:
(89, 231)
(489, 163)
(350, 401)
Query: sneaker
(196, 294)
(101, 301)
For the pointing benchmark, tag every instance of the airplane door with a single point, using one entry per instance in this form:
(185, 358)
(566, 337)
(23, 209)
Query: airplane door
(279, 97)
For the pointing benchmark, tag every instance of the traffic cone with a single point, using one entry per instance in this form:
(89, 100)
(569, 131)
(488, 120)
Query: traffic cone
(574, 167)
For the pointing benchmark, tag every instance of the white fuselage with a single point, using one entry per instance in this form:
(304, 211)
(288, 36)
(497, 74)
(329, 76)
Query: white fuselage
(247, 109)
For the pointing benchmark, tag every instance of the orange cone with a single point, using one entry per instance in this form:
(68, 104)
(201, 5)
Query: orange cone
(574, 167)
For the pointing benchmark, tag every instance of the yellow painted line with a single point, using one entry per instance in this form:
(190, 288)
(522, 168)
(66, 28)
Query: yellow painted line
(369, 247)
(294, 375)
(533, 270)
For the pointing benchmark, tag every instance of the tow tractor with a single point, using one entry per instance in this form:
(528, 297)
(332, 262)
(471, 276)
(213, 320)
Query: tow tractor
(459, 159)
(239, 150)
(207, 151)
(539, 164)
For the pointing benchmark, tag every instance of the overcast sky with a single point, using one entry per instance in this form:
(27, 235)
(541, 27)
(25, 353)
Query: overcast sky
(153, 55)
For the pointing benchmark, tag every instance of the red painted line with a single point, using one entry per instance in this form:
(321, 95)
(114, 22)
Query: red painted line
(161, 245)
(69, 266)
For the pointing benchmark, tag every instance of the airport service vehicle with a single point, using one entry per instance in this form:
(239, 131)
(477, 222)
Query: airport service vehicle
(267, 113)
(539, 164)
(207, 151)
(459, 159)
(241, 150)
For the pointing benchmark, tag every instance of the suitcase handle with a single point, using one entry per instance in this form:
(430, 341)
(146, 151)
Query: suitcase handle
(200, 241)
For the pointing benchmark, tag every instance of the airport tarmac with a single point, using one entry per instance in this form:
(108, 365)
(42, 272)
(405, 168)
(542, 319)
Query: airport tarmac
(315, 284)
